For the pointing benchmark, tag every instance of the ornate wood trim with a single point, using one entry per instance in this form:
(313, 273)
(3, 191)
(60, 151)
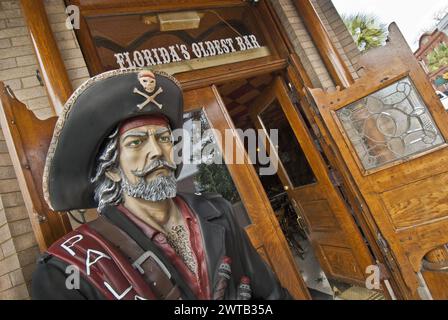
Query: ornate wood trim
(28, 139)
(200, 78)
(55, 76)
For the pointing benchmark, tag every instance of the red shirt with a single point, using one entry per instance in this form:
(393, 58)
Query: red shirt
(198, 284)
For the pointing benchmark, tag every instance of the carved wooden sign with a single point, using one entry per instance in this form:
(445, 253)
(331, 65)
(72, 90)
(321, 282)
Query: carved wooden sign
(183, 52)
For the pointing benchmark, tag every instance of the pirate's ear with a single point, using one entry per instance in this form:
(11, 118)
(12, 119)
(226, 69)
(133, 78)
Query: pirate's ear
(113, 174)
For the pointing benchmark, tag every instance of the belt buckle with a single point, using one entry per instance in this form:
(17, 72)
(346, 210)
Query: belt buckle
(149, 254)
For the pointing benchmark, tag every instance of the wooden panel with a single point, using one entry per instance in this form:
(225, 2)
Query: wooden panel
(28, 139)
(421, 202)
(342, 262)
(320, 216)
(438, 282)
(252, 233)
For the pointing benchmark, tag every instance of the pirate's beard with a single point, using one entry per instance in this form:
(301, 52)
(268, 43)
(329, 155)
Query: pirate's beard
(158, 189)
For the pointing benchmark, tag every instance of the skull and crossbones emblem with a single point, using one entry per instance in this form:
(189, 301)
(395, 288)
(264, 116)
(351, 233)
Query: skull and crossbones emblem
(148, 81)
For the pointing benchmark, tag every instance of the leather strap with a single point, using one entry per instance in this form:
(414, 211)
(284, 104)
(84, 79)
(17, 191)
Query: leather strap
(118, 219)
(147, 263)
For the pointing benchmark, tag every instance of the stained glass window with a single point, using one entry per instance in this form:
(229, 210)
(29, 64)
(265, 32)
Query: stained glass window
(390, 124)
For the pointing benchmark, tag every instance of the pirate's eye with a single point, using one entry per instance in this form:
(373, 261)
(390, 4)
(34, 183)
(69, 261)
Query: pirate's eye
(165, 138)
(134, 143)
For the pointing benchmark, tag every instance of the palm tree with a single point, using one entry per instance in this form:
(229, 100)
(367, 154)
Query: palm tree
(438, 58)
(366, 30)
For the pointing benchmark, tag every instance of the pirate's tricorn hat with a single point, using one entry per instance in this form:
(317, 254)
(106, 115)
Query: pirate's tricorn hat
(90, 115)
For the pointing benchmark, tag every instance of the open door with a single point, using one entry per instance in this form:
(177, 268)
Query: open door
(263, 230)
(391, 131)
(321, 210)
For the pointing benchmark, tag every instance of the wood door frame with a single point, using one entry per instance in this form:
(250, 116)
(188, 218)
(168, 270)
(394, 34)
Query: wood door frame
(249, 187)
(261, 103)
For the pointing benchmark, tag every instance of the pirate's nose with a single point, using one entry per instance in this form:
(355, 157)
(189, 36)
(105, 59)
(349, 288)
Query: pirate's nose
(153, 149)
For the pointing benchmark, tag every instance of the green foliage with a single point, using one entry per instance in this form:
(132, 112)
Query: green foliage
(216, 178)
(366, 30)
(438, 58)
(210, 177)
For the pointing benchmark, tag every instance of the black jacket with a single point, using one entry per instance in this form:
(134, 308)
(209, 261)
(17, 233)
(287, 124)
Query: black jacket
(222, 237)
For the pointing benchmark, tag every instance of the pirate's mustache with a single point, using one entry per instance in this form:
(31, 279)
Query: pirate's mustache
(153, 166)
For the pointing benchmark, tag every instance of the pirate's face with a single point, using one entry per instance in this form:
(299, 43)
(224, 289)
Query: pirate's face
(141, 147)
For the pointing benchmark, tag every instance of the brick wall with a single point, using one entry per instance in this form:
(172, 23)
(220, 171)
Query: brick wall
(67, 43)
(339, 34)
(304, 45)
(18, 65)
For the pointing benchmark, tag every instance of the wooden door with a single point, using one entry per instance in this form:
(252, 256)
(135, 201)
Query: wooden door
(331, 229)
(391, 130)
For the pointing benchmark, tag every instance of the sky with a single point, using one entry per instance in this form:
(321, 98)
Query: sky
(411, 16)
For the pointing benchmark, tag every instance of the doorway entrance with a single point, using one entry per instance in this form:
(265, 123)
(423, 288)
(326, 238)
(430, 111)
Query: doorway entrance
(328, 247)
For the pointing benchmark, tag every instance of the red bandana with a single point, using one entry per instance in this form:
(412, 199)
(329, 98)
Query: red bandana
(156, 120)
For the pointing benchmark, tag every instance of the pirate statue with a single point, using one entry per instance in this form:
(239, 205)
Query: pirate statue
(112, 149)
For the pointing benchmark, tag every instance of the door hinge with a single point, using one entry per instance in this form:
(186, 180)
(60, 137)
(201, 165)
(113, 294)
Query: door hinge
(387, 253)
(382, 242)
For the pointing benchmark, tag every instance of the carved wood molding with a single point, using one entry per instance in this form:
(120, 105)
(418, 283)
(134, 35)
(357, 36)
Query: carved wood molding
(54, 73)
(28, 139)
